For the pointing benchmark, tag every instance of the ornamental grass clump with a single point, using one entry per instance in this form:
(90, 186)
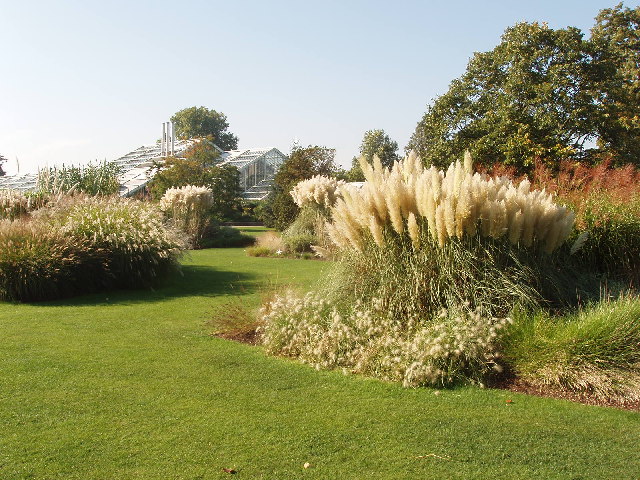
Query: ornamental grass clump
(38, 262)
(368, 339)
(314, 197)
(595, 351)
(13, 204)
(141, 247)
(414, 242)
(189, 207)
(430, 239)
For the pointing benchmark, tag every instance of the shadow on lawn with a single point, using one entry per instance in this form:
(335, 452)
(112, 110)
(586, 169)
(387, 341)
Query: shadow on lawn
(195, 280)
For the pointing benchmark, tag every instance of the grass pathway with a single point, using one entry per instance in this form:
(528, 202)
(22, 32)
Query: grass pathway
(130, 385)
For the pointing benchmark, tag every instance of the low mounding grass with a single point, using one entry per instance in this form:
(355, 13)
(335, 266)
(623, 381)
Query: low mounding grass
(596, 351)
(80, 244)
(130, 384)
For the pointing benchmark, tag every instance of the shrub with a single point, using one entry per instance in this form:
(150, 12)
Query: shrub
(189, 208)
(38, 262)
(596, 351)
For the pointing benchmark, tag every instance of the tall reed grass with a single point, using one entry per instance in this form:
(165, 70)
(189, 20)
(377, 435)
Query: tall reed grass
(99, 178)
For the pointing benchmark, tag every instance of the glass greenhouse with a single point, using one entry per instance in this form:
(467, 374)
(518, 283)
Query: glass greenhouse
(257, 168)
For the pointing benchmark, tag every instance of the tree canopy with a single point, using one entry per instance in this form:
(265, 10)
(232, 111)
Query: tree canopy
(541, 94)
(196, 122)
(3, 159)
(198, 167)
(374, 143)
(302, 164)
(616, 38)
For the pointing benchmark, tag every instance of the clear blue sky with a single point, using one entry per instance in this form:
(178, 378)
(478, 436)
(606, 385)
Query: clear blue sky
(85, 80)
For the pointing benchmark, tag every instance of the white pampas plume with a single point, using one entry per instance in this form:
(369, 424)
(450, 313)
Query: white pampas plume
(579, 243)
(414, 230)
(468, 163)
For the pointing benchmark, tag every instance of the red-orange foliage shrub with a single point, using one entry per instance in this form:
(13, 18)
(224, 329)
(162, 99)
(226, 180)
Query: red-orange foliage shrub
(606, 201)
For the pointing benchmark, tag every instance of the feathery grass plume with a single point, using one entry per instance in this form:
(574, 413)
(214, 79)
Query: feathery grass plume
(468, 162)
(319, 189)
(376, 231)
(579, 242)
(414, 230)
(452, 204)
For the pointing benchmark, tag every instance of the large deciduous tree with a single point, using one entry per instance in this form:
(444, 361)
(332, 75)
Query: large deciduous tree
(542, 94)
(374, 143)
(528, 98)
(302, 164)
(616, 39)
(196, 122)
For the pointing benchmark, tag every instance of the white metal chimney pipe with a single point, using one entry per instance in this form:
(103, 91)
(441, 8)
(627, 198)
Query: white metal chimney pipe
(162, 142)
(173, 139)
(164, 138)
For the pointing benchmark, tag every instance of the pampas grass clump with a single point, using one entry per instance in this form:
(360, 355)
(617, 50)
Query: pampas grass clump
(409, 200)
(412, 243)
(188, 207)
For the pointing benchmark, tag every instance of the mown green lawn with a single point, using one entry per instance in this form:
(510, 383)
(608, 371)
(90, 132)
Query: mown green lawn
(132, 385)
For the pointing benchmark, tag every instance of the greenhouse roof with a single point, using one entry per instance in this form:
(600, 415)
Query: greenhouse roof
(136, 165)
(23, 183)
